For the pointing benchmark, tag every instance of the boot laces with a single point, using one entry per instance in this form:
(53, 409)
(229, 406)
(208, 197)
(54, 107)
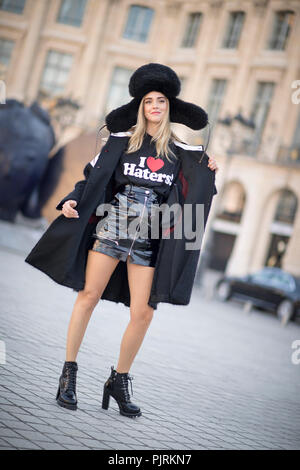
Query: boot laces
(70, 379)
(124, 380)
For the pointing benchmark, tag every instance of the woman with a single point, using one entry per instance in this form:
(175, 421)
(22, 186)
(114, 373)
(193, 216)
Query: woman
(142, 182)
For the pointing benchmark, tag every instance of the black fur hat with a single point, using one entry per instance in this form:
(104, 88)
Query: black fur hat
(156, 77)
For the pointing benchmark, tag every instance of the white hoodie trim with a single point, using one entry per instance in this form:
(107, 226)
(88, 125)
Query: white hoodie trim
(121, 134)
(94, 161)
(188, 147)
(179, 144)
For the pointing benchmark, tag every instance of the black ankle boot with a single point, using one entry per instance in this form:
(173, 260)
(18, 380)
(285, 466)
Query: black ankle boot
(117, 387)
(66, 393)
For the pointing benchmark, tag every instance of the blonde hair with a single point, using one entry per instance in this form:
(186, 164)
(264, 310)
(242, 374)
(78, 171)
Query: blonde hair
(162, 137)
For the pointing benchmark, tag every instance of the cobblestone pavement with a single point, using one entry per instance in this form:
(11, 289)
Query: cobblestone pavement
(208, 375)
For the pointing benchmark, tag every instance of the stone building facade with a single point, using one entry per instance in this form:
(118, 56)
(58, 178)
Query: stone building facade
(238, 60)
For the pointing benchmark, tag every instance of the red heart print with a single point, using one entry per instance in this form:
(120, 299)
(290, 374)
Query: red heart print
(155, 163)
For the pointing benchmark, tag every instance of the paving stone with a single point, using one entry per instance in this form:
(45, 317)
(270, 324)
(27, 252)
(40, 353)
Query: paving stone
(206, 377)
(53, 446)
(22, 443)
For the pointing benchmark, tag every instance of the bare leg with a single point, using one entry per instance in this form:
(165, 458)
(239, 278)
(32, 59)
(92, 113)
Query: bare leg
(140, 281)
(99, 269)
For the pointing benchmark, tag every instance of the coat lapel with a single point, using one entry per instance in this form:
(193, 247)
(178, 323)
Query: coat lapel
(176, 266)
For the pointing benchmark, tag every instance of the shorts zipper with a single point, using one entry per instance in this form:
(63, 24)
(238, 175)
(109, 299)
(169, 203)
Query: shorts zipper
(138, 224)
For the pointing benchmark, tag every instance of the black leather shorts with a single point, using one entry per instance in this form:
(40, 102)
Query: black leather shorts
(125, 231)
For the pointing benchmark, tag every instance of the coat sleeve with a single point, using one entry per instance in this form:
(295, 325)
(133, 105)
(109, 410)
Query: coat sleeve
(79, 186)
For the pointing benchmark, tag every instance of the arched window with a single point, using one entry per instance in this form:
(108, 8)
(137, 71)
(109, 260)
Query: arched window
(233, 202)
(286, 207)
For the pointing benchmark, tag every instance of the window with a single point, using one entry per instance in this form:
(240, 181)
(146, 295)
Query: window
(215, 101)
(274, 278)
(183, 81)
(282, 25)
(260, 110)
(296, 137)
(56, 72)
(13, 6)
(118, 93)
(283, 281)
(71, 12)
(6, 47)
(291, 153)
(286, 207)
(262, 277)
(234, 29)
(233, 202)
(138, 23)
(295, 150)
(191, 30)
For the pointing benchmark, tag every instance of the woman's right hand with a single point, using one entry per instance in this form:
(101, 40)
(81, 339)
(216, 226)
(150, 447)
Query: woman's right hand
(67, 209)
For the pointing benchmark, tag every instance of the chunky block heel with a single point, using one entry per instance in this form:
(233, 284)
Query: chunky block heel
(66, 393)
(116, 386)
(106, 398)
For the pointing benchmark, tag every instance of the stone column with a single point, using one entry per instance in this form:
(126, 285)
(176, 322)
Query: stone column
(91, 50)
(248, 42)
(38, 11)
(95, 81)
(251, 232)
(282, 99)
(168, 16)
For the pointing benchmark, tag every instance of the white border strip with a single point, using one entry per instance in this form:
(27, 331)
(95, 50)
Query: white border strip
(179, 144)
(121, 134)
(94, 161)
(188, 147)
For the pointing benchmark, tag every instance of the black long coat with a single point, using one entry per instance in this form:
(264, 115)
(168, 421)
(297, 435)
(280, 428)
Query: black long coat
(62, 251)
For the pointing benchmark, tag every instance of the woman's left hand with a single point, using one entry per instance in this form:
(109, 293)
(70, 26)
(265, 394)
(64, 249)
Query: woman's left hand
(212, 164)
